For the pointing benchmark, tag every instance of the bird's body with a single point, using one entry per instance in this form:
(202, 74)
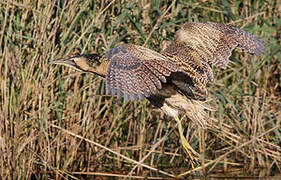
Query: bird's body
(175, 79)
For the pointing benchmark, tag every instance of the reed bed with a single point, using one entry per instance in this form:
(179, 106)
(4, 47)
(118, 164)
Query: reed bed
(56, 123)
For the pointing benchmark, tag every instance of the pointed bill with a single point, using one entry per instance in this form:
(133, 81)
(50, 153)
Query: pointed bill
(69, 62)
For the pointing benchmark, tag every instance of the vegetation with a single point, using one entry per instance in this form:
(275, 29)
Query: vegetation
(57, 123)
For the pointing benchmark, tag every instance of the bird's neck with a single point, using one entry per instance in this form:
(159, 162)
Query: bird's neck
(100, 69)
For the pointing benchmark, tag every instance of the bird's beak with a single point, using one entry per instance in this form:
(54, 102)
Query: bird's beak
(66, 62)
(69, 62)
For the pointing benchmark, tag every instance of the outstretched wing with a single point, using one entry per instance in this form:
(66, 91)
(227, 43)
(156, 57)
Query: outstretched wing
(200, 46)
(136, 72)
(214, 42)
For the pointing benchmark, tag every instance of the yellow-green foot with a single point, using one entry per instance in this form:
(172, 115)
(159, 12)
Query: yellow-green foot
(193, 156)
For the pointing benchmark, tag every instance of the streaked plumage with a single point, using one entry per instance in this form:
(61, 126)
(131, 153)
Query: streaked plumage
(175, 79)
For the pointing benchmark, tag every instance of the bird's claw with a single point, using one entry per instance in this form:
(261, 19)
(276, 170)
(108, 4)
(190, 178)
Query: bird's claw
(193, 156)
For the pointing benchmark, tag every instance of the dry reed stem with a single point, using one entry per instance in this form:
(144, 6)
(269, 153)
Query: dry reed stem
(108, 149)
(158, 22)
(216, 161)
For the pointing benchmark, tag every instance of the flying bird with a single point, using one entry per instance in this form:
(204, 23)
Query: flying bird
(174, 80)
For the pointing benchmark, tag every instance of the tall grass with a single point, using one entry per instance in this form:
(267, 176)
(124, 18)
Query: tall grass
(57, 123)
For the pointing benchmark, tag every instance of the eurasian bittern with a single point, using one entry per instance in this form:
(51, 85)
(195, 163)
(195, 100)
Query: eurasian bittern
(175, 79)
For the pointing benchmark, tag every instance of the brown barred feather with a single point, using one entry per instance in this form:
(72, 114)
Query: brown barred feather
(214, 42)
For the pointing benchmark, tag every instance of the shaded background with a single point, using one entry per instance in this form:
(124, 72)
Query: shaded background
(57, 123)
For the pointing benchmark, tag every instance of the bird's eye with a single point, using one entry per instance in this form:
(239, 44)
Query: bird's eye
(92, 59)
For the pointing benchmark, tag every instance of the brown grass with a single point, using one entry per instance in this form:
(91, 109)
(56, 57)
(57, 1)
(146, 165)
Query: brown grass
(58, 124)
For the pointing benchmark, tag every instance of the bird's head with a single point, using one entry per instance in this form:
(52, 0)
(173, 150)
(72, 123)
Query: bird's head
(86, 63)
(83, 63)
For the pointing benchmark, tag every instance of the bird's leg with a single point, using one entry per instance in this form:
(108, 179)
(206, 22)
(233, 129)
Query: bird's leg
(193, 155)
